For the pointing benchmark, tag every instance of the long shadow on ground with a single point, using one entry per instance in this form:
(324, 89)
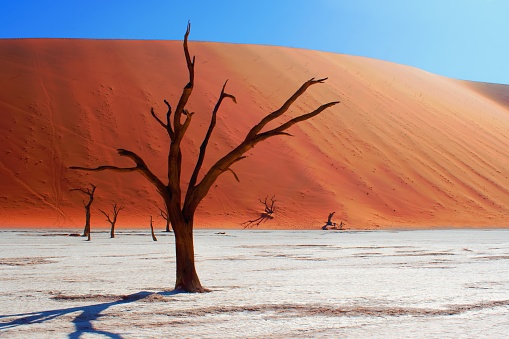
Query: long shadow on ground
(83, 321)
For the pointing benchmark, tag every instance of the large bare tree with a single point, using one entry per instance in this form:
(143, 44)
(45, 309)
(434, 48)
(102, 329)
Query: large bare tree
(181, 206)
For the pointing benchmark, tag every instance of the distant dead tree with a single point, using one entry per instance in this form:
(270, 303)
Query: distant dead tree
(182, 207)
(332, 225)
(340, 226)
(329, 221)
(152, 230)
(90, 193)
(164, 215)
(266, 215)
(113, 220)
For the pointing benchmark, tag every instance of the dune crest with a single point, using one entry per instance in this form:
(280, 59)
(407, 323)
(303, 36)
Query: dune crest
(405, 148)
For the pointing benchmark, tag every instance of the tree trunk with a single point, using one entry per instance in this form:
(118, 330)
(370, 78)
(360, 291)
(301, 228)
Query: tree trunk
(154, 238)
(112, 231)
(187, 279)
(152, 230)
(86, 230)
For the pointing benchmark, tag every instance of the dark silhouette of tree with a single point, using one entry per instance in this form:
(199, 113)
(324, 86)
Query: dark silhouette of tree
(266, 215)
(182, 206)
(90, 193)
(166, 217)
(152, 230)
(113, 220)
(332, 225)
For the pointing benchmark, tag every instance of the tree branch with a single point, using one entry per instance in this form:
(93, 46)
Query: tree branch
(190, 64)
(163, 214)
(257, 128)
(281, 129)
(106, 167)
(186, 93)
(89, 192)
(199, 191)
(168, 117)
(107, 216)
(81, 190)
(141, 167)
(116, 210)
(188, 115)
(234, 174)
(86, 191)
(166, 126)
(175, 154)
(203, 147)
(158, 120)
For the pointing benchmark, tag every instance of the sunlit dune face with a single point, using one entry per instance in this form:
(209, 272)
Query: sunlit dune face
(404, 147)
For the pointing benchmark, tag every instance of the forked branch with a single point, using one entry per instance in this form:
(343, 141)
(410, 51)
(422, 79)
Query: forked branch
(116, 210)
(141, 167)
(203, 147)
(274, 115)
(113, 219)
(197, 193)
(89, 192)
(281, 129)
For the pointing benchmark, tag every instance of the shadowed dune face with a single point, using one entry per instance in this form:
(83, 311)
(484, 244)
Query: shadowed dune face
(404, 147)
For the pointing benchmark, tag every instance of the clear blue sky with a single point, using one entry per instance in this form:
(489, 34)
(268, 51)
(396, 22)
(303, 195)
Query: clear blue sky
(465, 39)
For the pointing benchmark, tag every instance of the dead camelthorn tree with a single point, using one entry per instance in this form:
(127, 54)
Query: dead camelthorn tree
(266, 215)
(329, 225)
(329, 221)
(166, 217)
(152, 230)
(113, 220)
(181, 206)
(90, 193)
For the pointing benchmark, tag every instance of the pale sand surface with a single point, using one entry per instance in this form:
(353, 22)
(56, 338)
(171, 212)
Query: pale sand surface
(405, 148)
(265, 284)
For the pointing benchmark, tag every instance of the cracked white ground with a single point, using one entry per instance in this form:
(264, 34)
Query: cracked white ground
(277, 284)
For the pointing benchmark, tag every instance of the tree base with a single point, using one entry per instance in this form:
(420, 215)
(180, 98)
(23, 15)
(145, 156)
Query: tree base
(192, 289)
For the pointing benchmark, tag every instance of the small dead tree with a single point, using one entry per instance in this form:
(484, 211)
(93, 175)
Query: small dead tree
(329, 225)
(266, 215)
(164, 215)
(152, 230)
(90, 193)
(329, 222)
(113, 220)
(182, 207)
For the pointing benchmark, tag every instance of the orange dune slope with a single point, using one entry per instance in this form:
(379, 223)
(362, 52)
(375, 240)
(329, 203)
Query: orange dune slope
(405, 148)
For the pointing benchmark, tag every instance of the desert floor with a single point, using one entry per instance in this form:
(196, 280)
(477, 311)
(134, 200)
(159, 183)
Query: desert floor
(276, 284)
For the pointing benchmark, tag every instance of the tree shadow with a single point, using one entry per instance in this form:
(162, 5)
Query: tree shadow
(83, 321)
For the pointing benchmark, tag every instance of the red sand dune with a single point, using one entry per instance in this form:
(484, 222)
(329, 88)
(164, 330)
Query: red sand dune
(405, 148)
